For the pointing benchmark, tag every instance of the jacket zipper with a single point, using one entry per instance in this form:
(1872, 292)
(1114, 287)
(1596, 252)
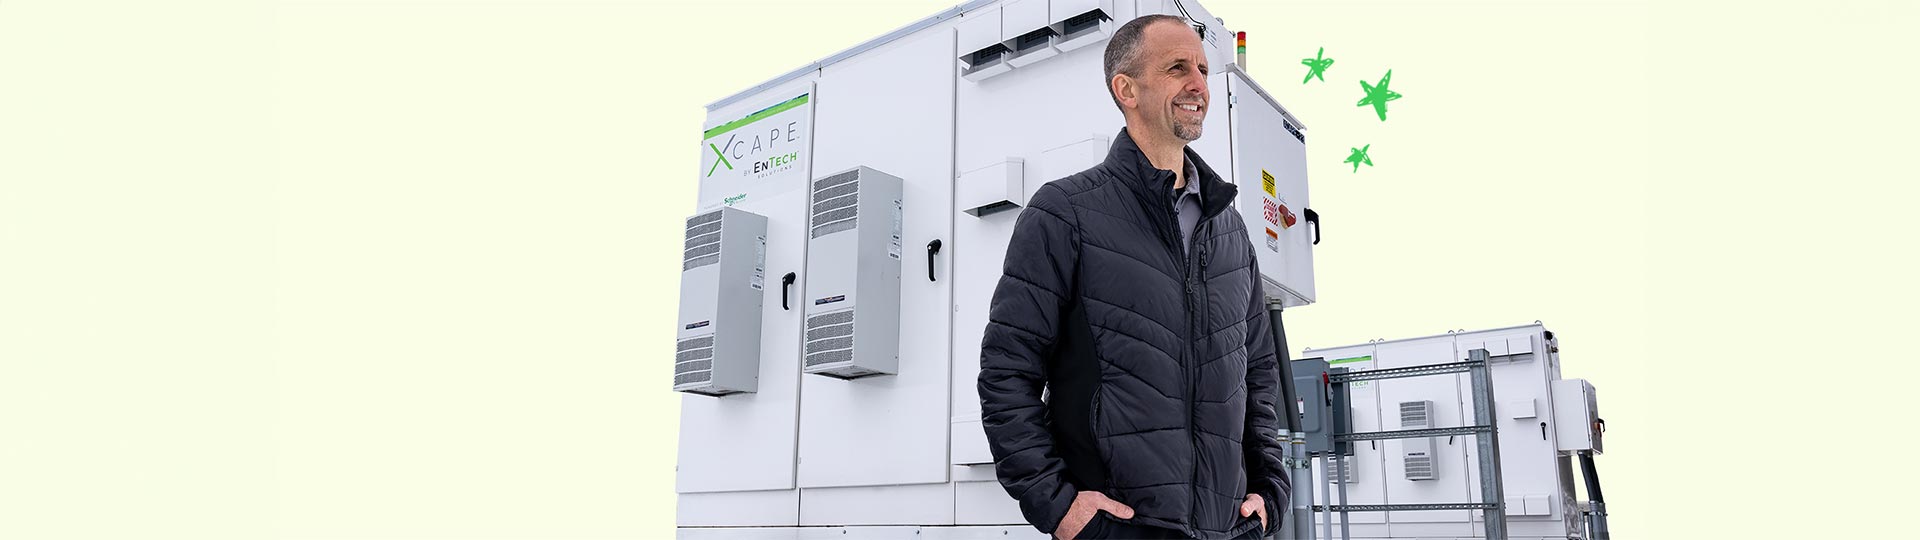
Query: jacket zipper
(1187, 271)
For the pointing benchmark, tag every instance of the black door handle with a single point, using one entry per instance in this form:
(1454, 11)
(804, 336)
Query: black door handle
(786, 285)
(1313, 218)
(932, 248)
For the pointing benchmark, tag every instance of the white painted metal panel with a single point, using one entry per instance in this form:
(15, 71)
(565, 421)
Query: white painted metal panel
(1528, 463)
(1057, 118)
(746, 441)
(920, 504)
(1449, 410)
(892, 429)
(978, 29)
(985, 502)
(970, 442)
(770, 508)
(1021, 16)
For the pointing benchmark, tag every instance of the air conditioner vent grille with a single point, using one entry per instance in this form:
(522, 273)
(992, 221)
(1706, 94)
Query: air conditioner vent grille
(829, 338)
(836, 202)
(1416, 414)
(1419, 466)
(703, 241)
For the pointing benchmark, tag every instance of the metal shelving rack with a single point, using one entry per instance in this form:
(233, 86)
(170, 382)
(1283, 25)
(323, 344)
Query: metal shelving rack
(1492, 502)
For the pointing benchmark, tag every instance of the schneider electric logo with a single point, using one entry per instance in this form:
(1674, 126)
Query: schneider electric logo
(765, 146)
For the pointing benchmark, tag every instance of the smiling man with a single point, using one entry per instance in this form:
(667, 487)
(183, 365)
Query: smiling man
(1131, 296)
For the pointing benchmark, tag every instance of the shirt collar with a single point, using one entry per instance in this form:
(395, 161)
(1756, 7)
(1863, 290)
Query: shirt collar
(1192, 177)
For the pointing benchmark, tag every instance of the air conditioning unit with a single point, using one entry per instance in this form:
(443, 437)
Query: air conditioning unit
(722, 278)
(1418, 453)
(853, 275)
(1341, 470)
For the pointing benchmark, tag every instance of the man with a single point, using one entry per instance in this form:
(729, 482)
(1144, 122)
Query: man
(1132, 297)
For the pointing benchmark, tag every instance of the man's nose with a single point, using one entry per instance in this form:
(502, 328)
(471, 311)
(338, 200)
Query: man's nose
(1196, 85)
(1198, 88)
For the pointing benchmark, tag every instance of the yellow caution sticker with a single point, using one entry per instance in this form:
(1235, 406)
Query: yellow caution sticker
(1266, 182)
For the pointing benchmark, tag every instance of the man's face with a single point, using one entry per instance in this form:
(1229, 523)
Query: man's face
(1172, 86)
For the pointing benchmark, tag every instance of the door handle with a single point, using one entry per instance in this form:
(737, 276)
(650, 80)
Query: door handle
(932, 248)
(1313, 218)
(786, 286)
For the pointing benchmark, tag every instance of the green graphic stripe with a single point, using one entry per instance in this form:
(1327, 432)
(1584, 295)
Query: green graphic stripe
(1368, 358)
(755, 117)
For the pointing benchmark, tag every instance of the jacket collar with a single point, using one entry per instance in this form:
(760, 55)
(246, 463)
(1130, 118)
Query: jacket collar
(1154, 186)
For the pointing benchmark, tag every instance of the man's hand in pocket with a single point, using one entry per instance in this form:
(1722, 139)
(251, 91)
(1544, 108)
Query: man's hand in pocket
(1255, 505)
(1085, 505)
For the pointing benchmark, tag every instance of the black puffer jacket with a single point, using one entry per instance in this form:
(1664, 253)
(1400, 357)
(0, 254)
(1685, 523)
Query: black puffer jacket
(1159, 365)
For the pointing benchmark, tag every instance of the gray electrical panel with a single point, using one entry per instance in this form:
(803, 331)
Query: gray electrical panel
(1323, 408)
(853, 275)
(722, 279)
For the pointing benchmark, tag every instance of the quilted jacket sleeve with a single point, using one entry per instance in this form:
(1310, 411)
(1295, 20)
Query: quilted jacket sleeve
(1022, 324)
(1266, 472)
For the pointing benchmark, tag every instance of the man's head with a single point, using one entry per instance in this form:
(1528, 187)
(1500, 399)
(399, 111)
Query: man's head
(1157, 74)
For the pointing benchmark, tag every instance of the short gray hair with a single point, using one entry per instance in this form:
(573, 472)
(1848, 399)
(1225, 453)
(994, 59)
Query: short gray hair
(1123, 50)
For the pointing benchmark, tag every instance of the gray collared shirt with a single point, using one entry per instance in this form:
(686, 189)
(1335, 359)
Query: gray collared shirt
(1186, 202)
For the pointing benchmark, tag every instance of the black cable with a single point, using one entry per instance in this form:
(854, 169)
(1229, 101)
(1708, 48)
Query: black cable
(1198, 26)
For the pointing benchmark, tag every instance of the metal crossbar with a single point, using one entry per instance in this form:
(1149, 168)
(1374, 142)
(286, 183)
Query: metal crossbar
(1403, 372)
(1412, 433)
(1402, 507)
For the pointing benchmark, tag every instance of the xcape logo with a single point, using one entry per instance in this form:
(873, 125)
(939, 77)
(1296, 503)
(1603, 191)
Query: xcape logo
(722, 156)
(742, 146)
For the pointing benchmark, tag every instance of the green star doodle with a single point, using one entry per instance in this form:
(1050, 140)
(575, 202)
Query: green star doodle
(1378, 96)
(1316, 66)
(1359, 156)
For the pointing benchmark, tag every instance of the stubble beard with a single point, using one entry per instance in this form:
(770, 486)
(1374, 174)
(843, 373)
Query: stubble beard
(1185, 131)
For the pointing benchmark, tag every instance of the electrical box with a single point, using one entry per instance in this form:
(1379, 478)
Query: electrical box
(1323, 408)
(1271, 167)
(1578, 415)
(722, 275)
(1417, 453)
(853, 275)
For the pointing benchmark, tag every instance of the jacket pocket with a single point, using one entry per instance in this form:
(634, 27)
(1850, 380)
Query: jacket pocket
(1093, 430)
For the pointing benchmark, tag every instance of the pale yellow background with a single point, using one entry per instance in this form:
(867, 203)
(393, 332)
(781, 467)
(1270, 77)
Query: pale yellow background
(398, 269)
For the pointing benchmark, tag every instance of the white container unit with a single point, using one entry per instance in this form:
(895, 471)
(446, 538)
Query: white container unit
(1542, 420)
(967, 112)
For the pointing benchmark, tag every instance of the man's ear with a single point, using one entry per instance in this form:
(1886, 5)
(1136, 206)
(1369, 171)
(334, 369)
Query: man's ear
(1125, 91)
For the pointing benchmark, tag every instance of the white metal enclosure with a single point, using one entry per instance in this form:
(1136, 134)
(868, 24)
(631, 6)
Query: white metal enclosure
(970, 135)
(1540, 426)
